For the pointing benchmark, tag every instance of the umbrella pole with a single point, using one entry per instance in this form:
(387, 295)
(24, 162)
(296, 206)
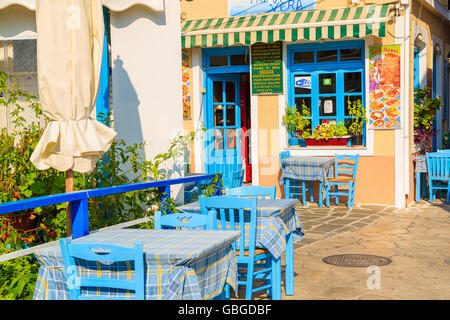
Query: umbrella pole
(69, 188)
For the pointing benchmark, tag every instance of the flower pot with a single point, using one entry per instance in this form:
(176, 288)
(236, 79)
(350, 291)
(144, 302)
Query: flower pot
(334, 141)
(357, 140)
(293, 141)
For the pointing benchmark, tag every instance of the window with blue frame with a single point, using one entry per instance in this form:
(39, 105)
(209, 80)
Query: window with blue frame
(325, 77)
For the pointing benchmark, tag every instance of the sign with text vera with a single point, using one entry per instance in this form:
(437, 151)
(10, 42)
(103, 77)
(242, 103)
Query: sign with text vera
(247, 7)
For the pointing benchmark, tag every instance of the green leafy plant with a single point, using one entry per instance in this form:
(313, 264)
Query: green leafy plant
(327, 130)
(425, 108)
(358, 118)
(295, 120)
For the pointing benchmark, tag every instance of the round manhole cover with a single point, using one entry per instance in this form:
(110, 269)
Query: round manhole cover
(356, 260)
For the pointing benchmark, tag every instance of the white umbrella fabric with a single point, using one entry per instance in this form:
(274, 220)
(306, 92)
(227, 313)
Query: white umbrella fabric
(69, 53)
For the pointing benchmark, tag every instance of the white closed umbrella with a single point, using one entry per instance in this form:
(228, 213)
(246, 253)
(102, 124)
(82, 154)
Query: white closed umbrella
(69, 54)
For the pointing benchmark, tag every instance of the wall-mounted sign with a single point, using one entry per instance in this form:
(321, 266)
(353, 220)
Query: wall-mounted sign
(327, 82)
(267, 68)
(186, 83)
(247, 7)
(302, 82)
(384, 87)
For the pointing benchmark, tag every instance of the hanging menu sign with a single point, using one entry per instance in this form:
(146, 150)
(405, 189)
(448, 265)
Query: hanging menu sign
(384, 87)
(267, 68)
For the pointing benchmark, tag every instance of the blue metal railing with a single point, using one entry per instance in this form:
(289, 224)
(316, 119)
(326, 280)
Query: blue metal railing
(79, 199)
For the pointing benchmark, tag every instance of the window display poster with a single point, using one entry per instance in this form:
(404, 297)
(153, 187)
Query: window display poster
(186, 83)
(384, 87)
(247, 7)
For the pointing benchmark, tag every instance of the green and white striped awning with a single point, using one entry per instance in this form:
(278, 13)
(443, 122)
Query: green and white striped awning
(333, 23)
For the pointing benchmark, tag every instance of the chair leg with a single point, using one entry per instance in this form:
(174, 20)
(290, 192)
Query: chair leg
(268, 281)
(337, 196)
(249, 285)
(349, 201)
(448, 193)
(327, 195)
(431, 193)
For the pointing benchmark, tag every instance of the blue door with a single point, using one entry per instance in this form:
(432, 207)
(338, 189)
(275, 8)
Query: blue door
(223, 124)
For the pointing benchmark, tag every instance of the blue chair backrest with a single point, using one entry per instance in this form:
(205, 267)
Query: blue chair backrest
(283, 155)
(101, 252)
(444, 150)
(237, 178)
(253, 191)
(346, 165)
(185, 220)
(234, 213)
(438, 165)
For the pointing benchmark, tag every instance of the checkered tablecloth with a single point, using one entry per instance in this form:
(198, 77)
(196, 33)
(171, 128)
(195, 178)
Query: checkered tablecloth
(179, 264)
(276, 218)
(421, 164)
(307, 168)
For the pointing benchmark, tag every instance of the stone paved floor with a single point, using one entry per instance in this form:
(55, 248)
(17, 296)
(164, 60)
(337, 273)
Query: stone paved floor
(416, 239)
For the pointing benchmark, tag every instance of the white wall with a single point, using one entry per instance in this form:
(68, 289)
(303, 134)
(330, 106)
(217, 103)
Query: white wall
(146, 76)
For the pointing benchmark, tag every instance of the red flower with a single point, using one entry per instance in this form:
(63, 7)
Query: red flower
(431, 111)
(324, 121)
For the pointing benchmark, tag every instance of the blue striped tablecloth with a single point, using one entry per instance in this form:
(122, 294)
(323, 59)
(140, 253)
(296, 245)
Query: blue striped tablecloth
(308, 168)
(276, 218)
(421, 164)
(179, 264)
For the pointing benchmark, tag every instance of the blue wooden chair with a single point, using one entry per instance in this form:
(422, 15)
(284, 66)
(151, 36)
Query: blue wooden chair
(438, 166)
(185, 220)
(230, 216)
(345, 168)
(253, 191)
(236, 179)
(101, 252)
(293, 187)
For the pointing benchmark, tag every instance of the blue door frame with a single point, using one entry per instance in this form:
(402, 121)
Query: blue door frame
(225, 160)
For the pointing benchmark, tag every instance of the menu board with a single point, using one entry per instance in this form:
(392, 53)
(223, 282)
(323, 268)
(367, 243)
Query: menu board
(186, 83)
(267, 68)
(384, 87)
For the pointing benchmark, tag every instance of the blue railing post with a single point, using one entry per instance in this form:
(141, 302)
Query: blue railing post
(80, 218)
(166, 195)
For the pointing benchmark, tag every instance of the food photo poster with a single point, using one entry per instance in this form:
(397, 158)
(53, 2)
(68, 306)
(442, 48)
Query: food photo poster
(384, 87)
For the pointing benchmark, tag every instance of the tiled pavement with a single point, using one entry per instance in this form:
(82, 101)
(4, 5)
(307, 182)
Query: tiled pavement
(416, 239)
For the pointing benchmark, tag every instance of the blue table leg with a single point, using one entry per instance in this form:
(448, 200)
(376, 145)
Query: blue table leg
(286, 187)
(290, 264)
(417, 186)
(320, 194)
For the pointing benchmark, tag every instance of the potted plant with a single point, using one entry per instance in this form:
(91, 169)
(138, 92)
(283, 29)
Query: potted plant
(425, 108)
(295, 123)
(327, 134)
(357, 122)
